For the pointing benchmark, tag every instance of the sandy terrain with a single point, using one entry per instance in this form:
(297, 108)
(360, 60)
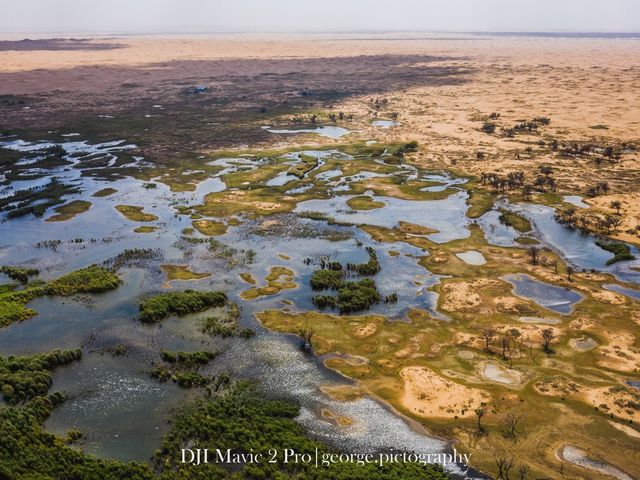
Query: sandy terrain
(427, 394)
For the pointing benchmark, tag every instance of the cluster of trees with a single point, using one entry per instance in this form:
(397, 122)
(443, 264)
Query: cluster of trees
(182, 368)
(589, 222)
(511, 341)
(158, 307)
(19, 274)
(238, 418)
(226, 325)
(92, 279)
(369, 268)
(490, 126)
(36, 200)
(24, 377)
(503, 183)
(351, 296)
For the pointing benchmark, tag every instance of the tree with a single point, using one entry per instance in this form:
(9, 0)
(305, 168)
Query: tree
(569, 272)
(513, 421)
(480, 412)
(534, 253)
(504, 465)
(488, 335)
(616, 205)
(546, 170)
(547, 337)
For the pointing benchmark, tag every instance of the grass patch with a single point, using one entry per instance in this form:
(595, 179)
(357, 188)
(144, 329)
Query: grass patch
(105, 192)
(364, 202)
(210, 227)
(145, 229)
(278, 279)
(69, 210)
(158, 307)
(135, 214)
(480, 202)
(181, 272)
(515, 221)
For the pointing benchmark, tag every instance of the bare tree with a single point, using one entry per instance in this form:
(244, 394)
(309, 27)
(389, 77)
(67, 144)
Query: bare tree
(569, 272)
(480, 412)
(534, 253)
(513, 421)
(488, 334)
(504, 466)
(523, 471)
(547, 337)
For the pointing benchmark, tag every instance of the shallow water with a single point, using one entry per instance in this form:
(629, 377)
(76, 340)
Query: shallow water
(448, 216)
(549, 296)
(472, 257)
(385, 123)
(329, 131)
(579, 457)
(575, 200)
(629, 292)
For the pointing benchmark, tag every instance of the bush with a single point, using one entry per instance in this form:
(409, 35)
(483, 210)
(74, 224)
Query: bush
(155, 308)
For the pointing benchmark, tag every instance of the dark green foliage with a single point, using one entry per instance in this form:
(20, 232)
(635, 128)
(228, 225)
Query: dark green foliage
(154, 309)
(188, 359)
(36, 200)
(19, 274)
(351, 297)
(488, 127)
(326, 279)
(92, 279)
(242, 419)
(239, 419)
(370, 268)
(24, 377)
(226, 325)
(621, 251)
(27, 452)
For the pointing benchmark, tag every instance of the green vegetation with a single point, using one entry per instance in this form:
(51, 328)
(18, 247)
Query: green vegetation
(69, 210)
(19, 274)
(92, 279)
(364, 202)
(307, 164)
(105, 192)
(210, 227)
(238, 418)
(36, 200)
(621, 251)
(226, 325)
(135, 214)
(187, 359)
(515, 221)
(351, 297)
(370, 268)
(158, 307)
(182, 272)
(278, 279)
(24, 377)
(326, 279)
(145, 229)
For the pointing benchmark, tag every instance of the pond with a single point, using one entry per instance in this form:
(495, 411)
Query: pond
(472, 257)
(329, 131)
(385, 123)
(549, 296)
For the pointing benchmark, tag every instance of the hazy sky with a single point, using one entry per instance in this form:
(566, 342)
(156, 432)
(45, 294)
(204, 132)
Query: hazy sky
(199, 16)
